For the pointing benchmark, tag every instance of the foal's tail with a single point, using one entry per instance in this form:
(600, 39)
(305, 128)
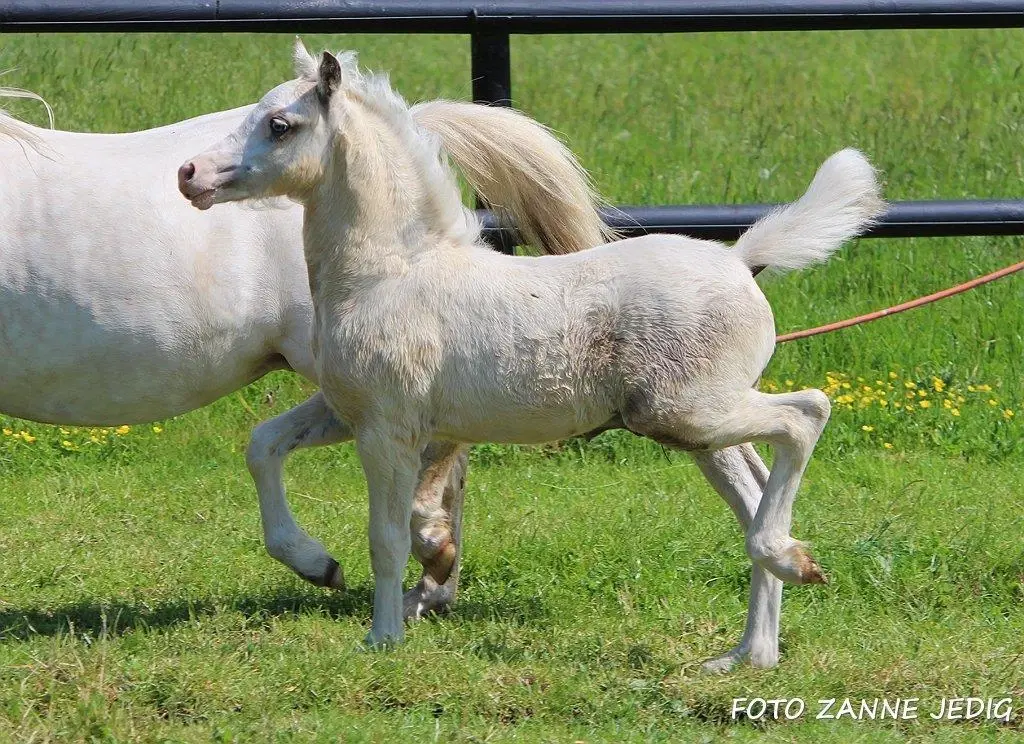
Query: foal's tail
(843, 200)
(521, 170)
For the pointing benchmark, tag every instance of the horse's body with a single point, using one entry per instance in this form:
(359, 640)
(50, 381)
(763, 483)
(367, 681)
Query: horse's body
(120, 304)
(422, 335)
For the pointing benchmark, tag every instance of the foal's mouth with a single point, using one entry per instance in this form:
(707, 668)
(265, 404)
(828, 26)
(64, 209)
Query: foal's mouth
(204, 199)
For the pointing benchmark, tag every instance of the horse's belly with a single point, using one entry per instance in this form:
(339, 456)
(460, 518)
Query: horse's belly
(58, 364)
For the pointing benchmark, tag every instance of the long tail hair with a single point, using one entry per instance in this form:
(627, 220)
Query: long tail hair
(522, 171)
(17, 130)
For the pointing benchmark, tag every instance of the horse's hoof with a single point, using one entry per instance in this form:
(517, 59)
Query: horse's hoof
(384, 643)
(765, 658)
(428, 598)
(794, 564)
(334, 577)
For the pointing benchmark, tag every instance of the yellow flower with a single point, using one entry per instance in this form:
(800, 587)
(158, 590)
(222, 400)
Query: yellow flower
(984, 388)
(883, 402)
(8, 432)
(909, 395)
(789, 383)
(64, 431)
(846, 386)
(909, 384)
(27, 437)
(1008, 414)
(122, 429)
(955, 411)
(157, 429)
(947, 403)
(970, 388)
(94, 439)
(938, 384)
(897, 404)
(925, 404)
(867, 428)
(67, 445)
(887, 445)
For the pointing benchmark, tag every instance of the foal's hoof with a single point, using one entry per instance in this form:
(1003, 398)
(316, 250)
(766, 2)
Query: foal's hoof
(762, 657)
(428, 597)
(382, 643)
(810, 571)
(794, 564)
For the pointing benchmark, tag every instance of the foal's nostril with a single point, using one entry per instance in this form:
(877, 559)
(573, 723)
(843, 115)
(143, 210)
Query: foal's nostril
(186, 172)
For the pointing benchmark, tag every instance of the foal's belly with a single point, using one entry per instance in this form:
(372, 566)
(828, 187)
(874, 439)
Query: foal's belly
(523, 425)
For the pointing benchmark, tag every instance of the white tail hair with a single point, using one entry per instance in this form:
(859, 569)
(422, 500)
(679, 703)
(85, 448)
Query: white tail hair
(842, 201)
(522, 171)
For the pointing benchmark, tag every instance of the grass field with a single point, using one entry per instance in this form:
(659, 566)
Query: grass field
(138, 604)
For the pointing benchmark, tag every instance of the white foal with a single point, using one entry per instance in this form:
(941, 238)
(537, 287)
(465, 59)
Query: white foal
(422, 335)
(120, 304)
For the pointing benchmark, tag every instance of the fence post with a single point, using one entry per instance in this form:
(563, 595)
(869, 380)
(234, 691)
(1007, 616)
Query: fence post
(491, 69)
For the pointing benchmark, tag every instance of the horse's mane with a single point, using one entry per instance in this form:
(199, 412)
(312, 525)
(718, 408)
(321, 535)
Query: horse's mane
(441, 195)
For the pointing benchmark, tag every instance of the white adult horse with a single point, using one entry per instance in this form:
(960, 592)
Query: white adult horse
(121, 304)
(424, 336)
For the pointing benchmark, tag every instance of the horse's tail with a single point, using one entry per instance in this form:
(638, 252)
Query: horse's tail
(18, 130)
(522, 171)
(842, 201)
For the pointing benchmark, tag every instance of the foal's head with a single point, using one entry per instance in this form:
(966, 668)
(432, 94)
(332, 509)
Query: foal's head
(284, 143)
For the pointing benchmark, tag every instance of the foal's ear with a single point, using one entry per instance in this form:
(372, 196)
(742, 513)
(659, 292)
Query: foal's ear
(305, 65)
(328, 77)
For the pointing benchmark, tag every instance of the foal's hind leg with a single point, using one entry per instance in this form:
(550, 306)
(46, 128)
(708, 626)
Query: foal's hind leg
(309, 424)
(437, 529)
(791, 423)
(739, 476)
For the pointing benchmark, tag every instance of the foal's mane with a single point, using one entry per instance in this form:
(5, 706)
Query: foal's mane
(439, 189)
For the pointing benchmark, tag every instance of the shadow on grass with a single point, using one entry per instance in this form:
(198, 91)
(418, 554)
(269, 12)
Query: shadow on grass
(97, 619)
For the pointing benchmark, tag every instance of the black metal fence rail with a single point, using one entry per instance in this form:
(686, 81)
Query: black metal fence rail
(490, 23)
(509, 16)
(918, 219)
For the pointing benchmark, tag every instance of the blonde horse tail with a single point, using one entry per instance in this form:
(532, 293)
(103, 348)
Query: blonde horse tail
(19, 130)
(522, 171)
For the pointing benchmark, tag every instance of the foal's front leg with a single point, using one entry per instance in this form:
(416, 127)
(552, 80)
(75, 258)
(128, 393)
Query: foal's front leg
(437, 528)
(391, 466)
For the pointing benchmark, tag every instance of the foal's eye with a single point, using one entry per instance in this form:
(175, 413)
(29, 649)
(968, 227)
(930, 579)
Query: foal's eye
(279, 127)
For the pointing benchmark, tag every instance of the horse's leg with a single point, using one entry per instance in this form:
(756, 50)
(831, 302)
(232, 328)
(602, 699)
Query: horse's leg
(437, 528)
(791, 423)
(391, 466)
(309, 424)
(739, 475)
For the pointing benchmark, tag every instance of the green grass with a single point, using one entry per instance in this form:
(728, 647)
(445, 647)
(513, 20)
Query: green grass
(138, 603)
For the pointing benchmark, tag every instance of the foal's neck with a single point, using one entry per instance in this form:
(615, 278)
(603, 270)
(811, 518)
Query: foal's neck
(381, 205)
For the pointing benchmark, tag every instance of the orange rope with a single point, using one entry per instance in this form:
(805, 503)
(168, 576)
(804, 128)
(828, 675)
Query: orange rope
(900, 308)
